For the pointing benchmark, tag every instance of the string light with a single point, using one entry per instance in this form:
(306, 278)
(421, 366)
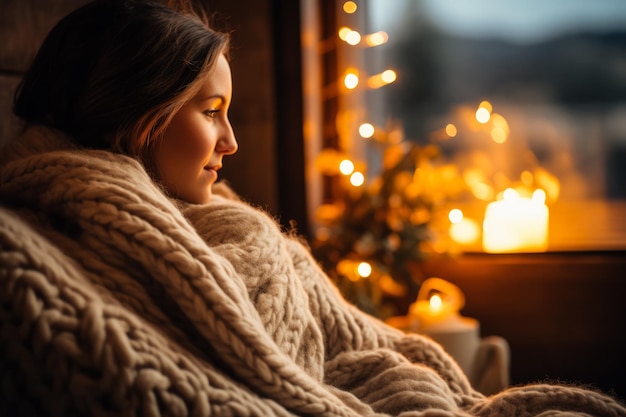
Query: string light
(346, 167)
(451, 130)
(351, 79)
(376, 38)
(357, 179)
(483, 114)
(366, 130)
(349, 7)
(382, 79)
(364, 269)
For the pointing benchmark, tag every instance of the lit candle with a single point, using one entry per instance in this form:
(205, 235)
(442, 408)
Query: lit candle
(435, 313)
(516, 224)
(437, 308)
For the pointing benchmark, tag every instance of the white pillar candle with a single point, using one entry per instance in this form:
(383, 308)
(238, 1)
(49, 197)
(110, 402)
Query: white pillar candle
(516, 224)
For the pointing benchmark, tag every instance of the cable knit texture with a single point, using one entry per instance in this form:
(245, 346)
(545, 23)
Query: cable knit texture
(118, 301)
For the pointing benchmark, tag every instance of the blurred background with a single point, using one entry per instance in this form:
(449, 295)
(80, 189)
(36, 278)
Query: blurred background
(387, 133)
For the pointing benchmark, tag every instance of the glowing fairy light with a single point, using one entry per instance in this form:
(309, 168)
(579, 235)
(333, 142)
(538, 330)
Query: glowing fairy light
(349, 7)
(364, 269)
(366, 130)
(357, 179)
(483, 113)
(346, 167)
(353, 38)
(382, 79)
(351, 81)
(455, 216)
(343, 32)
(376, 38)
(388, 76)
(451, 130)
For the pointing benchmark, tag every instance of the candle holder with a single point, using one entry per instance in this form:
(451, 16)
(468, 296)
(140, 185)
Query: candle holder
(435, 314)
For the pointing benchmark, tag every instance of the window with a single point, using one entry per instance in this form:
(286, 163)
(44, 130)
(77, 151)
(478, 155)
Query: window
(549, 78)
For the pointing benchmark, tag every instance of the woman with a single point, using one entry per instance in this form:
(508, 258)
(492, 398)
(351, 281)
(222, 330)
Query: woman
(132, 284)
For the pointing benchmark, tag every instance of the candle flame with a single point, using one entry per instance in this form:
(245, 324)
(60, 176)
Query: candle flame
(436, 303)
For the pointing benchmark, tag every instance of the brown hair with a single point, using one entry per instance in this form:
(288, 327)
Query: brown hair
(113, 73)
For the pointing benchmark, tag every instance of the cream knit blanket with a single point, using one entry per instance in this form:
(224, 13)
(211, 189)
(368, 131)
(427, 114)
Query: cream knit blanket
(117, 301)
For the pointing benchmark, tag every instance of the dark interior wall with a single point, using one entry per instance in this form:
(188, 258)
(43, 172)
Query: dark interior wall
(266, 112)
(23, 27)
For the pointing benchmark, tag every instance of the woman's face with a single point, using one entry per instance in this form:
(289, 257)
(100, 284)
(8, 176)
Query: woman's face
(190, 153)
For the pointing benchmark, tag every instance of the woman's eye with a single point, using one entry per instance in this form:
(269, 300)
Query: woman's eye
(211, 113)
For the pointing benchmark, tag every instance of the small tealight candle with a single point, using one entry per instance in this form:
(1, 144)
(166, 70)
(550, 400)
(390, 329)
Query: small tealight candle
(516, 224)
(435, 313)
(437, 308)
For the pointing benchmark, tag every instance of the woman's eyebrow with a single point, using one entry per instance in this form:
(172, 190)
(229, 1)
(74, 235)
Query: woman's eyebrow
(212, 97)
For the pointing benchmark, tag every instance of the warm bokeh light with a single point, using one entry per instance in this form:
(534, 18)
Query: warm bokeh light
(349, 7)
(482, 115)
(486, 105)
(527, 178)
(376, 38)
(343, 32)
(364, 269)
(451, 130)
(353, 38)
(389, 76)
(539, 196)
(498, 135)
(382, 79)
(516, 223)
(510, 194)
(346, 167)
(351, 81)
(482, 191)
(455, 216)
(366, 130)
(500, 122)
(465, 231)
(357, 179)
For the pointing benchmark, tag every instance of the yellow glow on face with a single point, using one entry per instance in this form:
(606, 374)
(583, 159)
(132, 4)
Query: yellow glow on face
(357, 179)
(349, 7)
(366, 130)
(364, 269)
(451, 130)
(346, 167)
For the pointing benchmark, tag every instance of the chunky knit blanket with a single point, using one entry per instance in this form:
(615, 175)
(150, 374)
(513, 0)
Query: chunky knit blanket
(118, 301)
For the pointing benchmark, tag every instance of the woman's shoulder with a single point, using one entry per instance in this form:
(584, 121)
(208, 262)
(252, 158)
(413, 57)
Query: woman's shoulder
(228, 217)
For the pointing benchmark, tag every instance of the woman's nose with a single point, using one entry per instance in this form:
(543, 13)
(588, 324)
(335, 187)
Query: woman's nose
(227, 145)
